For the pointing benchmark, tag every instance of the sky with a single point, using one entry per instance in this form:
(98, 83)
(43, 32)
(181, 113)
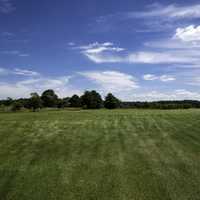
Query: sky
(138, 50)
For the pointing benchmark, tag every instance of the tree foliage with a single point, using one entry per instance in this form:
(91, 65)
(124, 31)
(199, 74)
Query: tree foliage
(75, 101)
(35, 102)
(49, 98)
(111, 102)
(91, 100)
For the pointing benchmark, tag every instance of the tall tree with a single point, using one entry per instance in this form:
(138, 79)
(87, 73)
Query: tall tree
(75, 101)
(35, 101)
(91, 100)
(111, 102)
(49, 98)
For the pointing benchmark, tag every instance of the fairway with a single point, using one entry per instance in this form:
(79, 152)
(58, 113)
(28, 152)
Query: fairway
(100, 155)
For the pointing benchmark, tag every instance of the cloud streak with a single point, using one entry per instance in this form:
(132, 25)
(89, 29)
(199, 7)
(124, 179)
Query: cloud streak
(184, 55)
(183, 48)
(14, 53)
(6, 6)
(101, 52)
(163, 78)
(170, 11)
(18, 71)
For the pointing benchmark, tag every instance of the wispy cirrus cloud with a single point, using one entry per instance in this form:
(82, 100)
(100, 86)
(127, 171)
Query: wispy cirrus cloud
(163, 78)
(6, 6)
(18, 71)
(100, 47)
(25, 72)
(14, 53)
(7, 34)
(164, 57)
(99, 53)
(154, 17)
(171, 11)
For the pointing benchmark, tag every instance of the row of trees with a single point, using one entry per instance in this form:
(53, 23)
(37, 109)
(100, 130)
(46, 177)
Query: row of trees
(89, 100)
(184, 104)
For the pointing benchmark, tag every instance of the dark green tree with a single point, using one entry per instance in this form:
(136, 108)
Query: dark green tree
(49, 98)
(35, 102)
(16, 106)
(9, 101)
(91, 100)
(111, 102)
(75, 101)
(62, 103)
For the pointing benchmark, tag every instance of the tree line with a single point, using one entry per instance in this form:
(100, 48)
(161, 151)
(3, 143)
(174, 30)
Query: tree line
(89, 100)
(49, 99)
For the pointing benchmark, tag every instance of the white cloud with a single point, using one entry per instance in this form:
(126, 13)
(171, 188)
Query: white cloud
(157, 95)
(6, 6)
(169, 51)
(100, 47)
(170, 11)
(102, 52)
(165, 57)
(167, 78)
(154, 18)
(191, 57)
(121, 84)
(163, 78)
(98, 58)
(71, 44)
(173, 43)
(25, 72)
(188, 34)
(112, 81)
(180, 94)
(23, 88)
(13, 91)
(150, 77)
(18, 71)
(45, 83)
(34, 82)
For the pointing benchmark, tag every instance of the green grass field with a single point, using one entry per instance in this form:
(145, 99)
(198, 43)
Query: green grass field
(98, 155)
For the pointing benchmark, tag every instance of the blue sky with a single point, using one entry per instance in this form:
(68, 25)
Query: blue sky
(138, 50)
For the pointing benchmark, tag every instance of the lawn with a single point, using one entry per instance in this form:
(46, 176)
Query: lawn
(100, 155)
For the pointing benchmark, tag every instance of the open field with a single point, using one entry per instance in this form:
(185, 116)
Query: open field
(90, 155)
